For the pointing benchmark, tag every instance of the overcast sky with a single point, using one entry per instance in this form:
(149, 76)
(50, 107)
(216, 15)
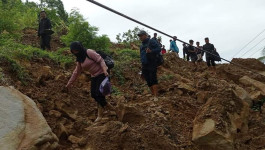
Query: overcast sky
(230, 24)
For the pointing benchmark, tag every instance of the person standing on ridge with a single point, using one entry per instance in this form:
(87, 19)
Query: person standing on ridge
(193, 53)
(44, 27)
(159, 42)
(155, 37)
(174, 46)
(186, 55)
(89, 60)
(170, 48)
(149, 51)
(208, 47)
(163, 50)
(199, 52)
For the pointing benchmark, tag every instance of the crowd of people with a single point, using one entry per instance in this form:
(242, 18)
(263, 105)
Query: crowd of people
(151, 51)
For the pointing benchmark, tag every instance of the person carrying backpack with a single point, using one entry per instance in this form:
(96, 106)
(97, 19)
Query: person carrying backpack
(89, 60)
(149, 50)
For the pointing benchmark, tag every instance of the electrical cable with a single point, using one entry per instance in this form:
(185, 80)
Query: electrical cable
(127, 17)
(248, 43)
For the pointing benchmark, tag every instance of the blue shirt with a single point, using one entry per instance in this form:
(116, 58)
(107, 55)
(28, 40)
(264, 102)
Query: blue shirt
(174, 47)
(152, 45)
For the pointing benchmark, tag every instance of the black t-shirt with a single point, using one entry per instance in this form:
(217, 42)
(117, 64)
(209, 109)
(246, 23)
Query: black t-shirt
(191, 48)
(208, 48)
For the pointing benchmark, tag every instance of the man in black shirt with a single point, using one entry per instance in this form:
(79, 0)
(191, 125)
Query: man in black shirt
(193, 53)
(186, 55)
(43, 32)
(208, 47)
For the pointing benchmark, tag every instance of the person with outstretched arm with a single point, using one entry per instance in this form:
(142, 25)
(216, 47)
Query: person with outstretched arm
(174, 46)
(208, 47)
(148, 51)
(89, 60)
(44, 26)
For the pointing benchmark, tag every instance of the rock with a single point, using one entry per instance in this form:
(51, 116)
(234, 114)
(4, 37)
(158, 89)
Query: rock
(256, 95)
(251, 82)
(55, 113)
(22, 124)
(219, 120)
(243, 95)
(185, 87)
(202, 97)
(62, 132)
(66, 109)
(206, 135)
(74, 139)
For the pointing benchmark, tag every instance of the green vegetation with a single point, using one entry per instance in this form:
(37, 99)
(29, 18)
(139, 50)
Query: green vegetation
(258, 104)
(166, 77)
(16, 15)
(123, 63)
(13, 53)
(80, 30)
(116, 91)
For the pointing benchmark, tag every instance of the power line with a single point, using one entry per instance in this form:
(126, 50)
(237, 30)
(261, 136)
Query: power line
(129, 18)
(253, 47)
(257, 51)
(249, 43)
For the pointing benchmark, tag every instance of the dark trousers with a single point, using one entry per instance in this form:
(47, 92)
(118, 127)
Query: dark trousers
(210, 61)
(150, 74)
(45, 42)
(95, 93)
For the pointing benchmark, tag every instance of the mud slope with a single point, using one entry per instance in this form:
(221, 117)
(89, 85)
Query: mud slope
(166, 124)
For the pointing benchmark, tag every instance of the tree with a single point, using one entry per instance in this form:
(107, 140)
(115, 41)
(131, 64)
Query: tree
(56, 5)
(129, 37)
(81, 30)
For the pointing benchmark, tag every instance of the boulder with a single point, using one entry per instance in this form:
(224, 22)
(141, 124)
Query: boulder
(219, 120)
(251, 82)
(242, 94)
(74, 139)
(202, 97)
(66, 109)
(22, 124)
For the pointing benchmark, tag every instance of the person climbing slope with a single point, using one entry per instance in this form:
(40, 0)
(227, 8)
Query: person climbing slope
(149, 51)
(89, 60)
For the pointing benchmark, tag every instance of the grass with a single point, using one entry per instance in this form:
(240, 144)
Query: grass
(166, 77)
(12, 53)
(123, 59)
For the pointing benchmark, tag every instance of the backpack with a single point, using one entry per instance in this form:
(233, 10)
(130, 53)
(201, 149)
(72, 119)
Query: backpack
(108, 59)
(216, 56)
(158, 57)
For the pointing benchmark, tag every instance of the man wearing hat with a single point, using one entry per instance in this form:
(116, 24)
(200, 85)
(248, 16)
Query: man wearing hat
(149, 51)
(174, 46)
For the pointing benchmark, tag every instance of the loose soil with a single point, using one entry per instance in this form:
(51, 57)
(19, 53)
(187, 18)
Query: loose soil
(165, 124)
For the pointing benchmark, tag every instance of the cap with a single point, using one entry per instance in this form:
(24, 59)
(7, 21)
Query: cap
(142, 32)
(175, 37)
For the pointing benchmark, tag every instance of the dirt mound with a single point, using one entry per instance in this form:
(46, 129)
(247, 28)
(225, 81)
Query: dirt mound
(30, 37)
(165, 124)
(250, 63)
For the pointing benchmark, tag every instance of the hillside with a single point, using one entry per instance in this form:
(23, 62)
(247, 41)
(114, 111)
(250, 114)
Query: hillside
(196, 109)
